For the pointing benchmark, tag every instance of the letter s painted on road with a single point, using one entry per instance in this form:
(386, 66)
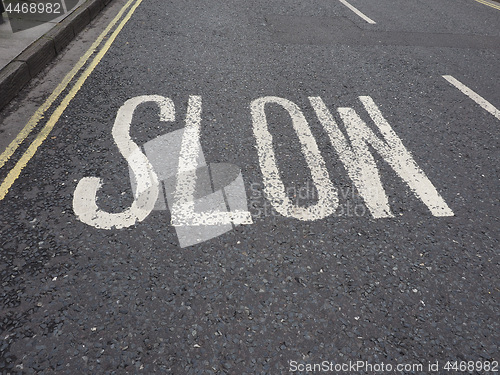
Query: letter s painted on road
(146, 193)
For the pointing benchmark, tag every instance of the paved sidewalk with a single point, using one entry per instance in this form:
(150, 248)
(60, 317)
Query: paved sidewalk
(12, 44)
(23, 54)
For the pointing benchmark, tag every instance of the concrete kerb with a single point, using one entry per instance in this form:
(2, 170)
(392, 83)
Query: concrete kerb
(15, 75)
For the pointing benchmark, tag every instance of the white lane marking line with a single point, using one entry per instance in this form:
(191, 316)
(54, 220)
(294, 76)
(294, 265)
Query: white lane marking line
(474, 96)
(355, 10)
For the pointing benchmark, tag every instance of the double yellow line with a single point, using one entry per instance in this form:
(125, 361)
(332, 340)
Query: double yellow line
(489, 4)
(15, 172)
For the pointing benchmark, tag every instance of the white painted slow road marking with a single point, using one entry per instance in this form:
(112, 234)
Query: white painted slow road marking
(228, 207)
(474, 96)
(355, 10)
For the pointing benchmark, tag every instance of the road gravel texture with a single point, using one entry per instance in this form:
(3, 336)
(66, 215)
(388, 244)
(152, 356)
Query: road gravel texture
(414, 288)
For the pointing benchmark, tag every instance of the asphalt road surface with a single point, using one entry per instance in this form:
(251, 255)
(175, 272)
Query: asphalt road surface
(257, 187)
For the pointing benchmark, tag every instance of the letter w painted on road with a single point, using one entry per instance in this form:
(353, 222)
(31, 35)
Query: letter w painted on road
(360, 163)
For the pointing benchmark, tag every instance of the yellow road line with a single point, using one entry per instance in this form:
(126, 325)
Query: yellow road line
(38, 115)
(489, 4)
(15, 172)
